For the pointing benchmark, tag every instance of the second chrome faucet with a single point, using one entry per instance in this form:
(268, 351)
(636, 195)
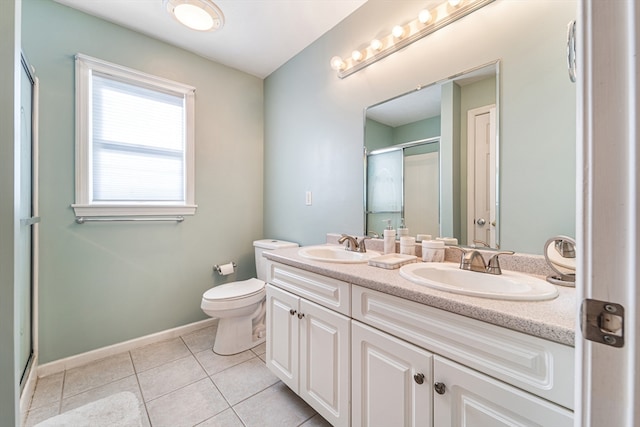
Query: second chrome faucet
(352, 243)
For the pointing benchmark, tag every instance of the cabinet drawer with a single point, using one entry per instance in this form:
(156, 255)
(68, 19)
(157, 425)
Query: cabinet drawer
(331, 293)
(541, 367)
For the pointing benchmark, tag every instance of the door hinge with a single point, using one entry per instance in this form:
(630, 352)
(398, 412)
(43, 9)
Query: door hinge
(602, 322)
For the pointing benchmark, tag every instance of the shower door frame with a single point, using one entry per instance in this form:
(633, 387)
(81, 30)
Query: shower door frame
(28, 369)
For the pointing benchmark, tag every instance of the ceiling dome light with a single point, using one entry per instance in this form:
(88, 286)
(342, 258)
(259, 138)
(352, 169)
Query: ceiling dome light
(199, 15)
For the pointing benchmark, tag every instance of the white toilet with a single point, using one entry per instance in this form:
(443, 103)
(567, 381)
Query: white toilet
(240, 306)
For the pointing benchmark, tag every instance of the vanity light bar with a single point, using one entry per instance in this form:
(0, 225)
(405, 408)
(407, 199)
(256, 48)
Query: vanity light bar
(401, 36)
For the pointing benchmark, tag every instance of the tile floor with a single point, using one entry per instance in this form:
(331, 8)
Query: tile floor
(180, 382)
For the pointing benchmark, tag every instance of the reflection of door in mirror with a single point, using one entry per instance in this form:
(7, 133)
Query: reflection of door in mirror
(481, 194)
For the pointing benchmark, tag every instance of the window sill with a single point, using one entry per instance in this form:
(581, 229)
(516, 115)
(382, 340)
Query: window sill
(133, 210)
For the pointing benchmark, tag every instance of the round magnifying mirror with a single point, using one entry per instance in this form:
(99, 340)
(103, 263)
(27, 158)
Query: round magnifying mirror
(560, 253)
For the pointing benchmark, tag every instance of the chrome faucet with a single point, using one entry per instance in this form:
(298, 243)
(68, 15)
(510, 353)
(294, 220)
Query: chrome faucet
(473, 260)
(481, 242)
(352, 243)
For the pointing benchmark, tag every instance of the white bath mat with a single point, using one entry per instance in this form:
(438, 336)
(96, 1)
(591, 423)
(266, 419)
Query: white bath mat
(117, 410)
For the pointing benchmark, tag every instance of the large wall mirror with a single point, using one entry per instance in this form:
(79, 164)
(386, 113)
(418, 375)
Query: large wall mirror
(431, 159)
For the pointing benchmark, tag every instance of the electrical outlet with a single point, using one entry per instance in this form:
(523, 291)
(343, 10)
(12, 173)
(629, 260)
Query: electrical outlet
(307, 198)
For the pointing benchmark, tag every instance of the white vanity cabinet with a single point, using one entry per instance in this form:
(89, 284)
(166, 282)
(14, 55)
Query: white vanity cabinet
(361, 357)
(482, 375)
(308, 344)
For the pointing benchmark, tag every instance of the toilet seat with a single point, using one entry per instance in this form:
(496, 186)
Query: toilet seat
(234, 294)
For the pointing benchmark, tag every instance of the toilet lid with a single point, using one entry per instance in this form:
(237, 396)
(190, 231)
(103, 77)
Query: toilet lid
(235, 290)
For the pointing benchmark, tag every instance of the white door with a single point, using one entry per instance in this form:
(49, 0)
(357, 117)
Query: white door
(467, 398)
(608, 217)
(391, 380)
(325, 338)
(481, 184)
(282, 335)
(421, 193)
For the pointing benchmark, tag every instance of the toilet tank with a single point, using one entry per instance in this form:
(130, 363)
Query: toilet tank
(267, 245)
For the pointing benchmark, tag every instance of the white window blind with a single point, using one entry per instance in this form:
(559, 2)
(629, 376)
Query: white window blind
(138, 143)
(134, 148)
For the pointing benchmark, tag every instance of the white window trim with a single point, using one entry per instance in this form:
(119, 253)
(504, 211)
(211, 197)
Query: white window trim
(83, 205)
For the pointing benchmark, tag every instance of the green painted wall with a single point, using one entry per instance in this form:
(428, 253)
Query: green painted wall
(104, 283)
(427, 128)
(450, 161)
(378, 135)
(314, 120)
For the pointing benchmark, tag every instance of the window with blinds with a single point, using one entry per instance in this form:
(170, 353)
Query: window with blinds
(134, 145)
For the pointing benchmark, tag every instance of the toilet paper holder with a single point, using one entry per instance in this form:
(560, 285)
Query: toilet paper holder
(218, 268)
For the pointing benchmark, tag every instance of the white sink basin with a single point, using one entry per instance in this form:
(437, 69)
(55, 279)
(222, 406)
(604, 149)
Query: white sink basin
(509, 285)
(334, 253)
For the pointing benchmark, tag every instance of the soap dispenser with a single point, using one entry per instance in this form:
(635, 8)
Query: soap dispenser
(402, 230)
(389, 235)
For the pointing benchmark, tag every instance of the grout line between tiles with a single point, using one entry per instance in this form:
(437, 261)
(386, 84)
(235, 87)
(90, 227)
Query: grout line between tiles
(63, 397)
(64, 380)
(239, 417)
(146, 410)
(169, 392)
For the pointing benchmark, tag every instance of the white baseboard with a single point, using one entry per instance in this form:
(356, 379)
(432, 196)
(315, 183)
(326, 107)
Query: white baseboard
(100, 353)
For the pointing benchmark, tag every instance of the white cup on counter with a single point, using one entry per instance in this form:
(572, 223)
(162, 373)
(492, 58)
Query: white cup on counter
(407, 245)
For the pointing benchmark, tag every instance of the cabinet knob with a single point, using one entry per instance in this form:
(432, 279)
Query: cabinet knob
(418, 378)
(292, 312)
(439, 387)
(300, 315)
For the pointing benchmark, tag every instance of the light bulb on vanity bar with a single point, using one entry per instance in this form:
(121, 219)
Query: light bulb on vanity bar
(376, 45)
(424, 16)
(337, 63)
(398, 31)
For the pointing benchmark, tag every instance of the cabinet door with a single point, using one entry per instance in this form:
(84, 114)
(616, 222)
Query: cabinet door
(391, 380)
(325, 362)
(472, 399)
(282, 335)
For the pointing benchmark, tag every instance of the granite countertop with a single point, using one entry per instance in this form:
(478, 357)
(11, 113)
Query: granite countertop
(553, 320)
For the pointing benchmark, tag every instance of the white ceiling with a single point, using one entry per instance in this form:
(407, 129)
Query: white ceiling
(409, 108)
(423, 102)
(258, 36)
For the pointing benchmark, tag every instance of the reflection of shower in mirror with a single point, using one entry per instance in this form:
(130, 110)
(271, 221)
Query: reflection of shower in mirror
(404, 183)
